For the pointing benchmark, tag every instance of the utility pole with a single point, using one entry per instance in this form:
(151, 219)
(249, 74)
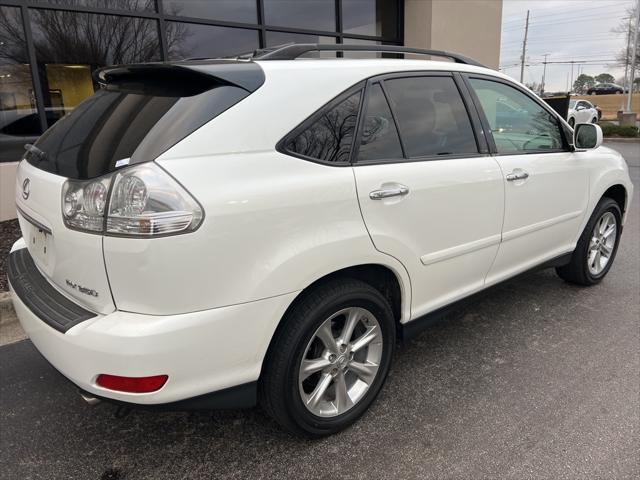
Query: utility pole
(633, 56)
(571, 83)
(544, 73)
(626, 61)
(524, 48)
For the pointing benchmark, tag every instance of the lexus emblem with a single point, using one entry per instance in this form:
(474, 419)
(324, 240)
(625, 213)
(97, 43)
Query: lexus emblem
(25, 188)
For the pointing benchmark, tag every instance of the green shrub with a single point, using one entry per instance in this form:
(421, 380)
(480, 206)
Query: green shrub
(613, 130)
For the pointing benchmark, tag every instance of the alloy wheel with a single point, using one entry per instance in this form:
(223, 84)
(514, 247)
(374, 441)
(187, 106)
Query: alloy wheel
(602, 243)
(340, 362)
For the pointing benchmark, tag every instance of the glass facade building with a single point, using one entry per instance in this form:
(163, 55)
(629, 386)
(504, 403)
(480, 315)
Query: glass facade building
(49, 48)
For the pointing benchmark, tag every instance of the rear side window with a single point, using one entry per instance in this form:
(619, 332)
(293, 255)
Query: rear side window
(431, 116)
(329, 136)
(379, 139)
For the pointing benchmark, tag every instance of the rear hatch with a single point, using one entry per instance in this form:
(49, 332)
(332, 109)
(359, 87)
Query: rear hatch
(139, 112)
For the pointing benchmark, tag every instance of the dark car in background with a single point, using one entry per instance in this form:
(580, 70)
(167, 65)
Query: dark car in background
(605, 89)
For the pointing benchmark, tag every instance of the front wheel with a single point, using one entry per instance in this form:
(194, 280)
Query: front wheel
(597, 247)
(329, 358)
(572, 122)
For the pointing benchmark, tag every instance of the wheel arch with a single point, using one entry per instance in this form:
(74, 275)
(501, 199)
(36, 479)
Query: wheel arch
(387, 280)
(618, 193)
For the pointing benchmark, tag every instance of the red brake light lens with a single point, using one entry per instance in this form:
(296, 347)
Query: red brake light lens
(132, 384)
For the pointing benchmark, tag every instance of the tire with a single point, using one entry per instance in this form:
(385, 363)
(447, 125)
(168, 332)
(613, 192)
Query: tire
(286, 397)
(572, 122)
(580, 269)
(594, 120)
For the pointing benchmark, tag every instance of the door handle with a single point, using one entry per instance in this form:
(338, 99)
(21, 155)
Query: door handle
(517, 174)
(398, 191)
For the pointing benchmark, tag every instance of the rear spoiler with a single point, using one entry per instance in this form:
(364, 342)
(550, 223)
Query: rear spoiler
(181, 78)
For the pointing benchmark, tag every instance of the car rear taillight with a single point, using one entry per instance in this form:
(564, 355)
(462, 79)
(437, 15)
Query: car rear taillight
(142, 201)
(131, 384)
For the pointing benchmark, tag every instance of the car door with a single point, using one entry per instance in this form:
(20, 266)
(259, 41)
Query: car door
(546, 184)
(430, 194)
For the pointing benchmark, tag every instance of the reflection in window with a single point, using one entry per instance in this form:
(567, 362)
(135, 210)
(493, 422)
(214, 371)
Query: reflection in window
(310, 14)
(517, 122)
(127, 5)
(329, 138)
(70, 45)
(280, 38)
(431, 116)
(227, 10)
(206, 41)
(19, 122)
(370, 17)
(380, 139)
(358, 41)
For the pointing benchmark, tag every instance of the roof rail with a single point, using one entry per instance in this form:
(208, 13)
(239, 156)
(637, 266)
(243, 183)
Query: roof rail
(293, 51)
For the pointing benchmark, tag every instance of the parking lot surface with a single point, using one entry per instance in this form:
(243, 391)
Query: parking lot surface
(538, 379)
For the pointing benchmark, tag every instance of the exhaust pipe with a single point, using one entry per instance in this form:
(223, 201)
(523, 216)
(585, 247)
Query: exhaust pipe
(89, 399)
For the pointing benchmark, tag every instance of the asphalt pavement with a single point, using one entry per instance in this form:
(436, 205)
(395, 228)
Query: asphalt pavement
(538, 379)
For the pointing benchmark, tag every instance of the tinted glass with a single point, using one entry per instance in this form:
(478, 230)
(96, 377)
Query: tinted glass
(309, 14)
(110, 4)
(370, 17)
(379, 136)
(517, 122)
(192, 40)
(431, 116)
(19, 121)
(228, 10)
(117, 124)
(70, 45)
(279, 38)
(329, 137)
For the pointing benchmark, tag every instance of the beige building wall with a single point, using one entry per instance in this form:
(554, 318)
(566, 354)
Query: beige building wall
(469, 27)
(7, 189)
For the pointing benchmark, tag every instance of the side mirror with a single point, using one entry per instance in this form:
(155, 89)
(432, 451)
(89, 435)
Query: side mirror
(587, 136)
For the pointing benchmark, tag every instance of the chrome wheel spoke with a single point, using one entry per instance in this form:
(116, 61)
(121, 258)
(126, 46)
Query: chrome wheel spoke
(309, 367)
(609, 230)
(343, 401)
(365, 371)
(325, 334)
(369, 336)
(606, 250)
(350, 323)
(320, 390)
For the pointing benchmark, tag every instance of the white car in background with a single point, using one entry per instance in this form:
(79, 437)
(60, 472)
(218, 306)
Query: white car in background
(581, 111)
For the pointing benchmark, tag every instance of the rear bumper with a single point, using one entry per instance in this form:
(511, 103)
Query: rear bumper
(201, 352)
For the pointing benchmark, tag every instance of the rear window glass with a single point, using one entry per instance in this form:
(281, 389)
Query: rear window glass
(329, 137)
(119, 125)
(431, 116)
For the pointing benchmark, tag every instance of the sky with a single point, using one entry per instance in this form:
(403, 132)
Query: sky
(579, 30)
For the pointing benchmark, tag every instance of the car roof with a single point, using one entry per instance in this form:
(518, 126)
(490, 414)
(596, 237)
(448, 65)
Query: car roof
(366, 68)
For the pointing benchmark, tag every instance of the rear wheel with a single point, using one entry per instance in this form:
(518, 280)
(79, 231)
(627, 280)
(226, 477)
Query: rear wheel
(329, 359)
(597, 247)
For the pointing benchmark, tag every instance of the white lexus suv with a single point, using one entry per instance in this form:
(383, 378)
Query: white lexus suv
(220, 233)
